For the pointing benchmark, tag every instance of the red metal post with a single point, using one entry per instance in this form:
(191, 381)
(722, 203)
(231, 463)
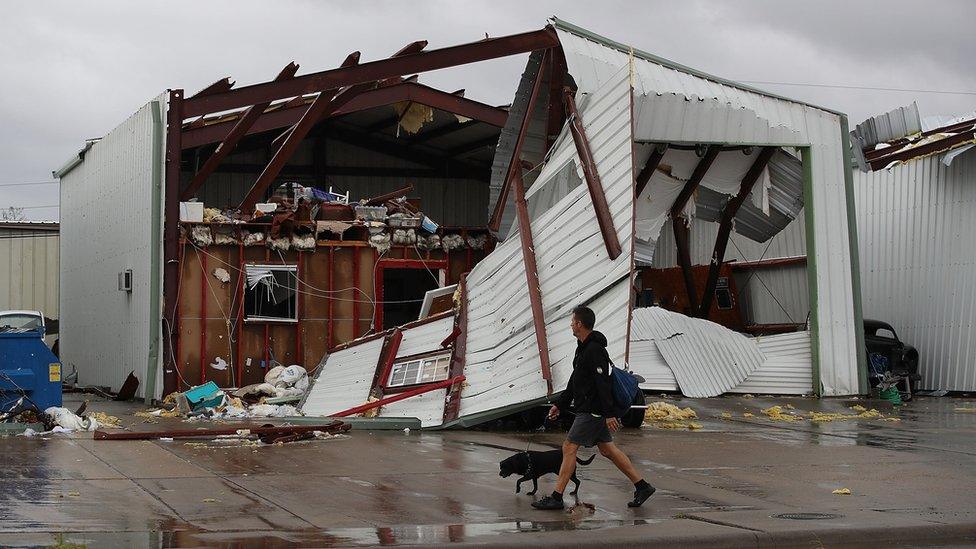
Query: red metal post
(378, 296)
(299, 309)
(725, 226)
(385, 364)
(592, 175)
(491, 48)
(399, 396)
(515, 163)
(532, 277)
(330, 328)
(356, 296)
(233, 137)
(202, 260)
(240, 314)
(452, 404)
(171, 235)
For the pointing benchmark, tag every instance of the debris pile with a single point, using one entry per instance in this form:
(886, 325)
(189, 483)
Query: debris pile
(664, 415)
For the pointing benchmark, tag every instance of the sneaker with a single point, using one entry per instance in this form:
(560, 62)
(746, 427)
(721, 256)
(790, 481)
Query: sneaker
(641, 495)
(548, 503)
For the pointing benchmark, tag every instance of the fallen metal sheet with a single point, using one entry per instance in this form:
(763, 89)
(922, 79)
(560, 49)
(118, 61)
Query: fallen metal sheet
(344, 380)
(707, 359)
(260, 431)
(787, 367)
(647, 360)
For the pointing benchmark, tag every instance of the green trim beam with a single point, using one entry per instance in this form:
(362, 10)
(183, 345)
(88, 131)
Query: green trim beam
(862, 361)
(155, 295)
(808, 216)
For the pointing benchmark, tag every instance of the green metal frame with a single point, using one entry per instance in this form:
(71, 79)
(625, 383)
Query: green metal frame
(155, 328)
(808, 205)
(862, 361)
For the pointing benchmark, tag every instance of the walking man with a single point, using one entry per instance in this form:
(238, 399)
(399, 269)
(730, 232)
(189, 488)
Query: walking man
(590, 394)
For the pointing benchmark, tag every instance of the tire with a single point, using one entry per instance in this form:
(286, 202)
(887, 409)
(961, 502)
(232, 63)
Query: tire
(635, 417)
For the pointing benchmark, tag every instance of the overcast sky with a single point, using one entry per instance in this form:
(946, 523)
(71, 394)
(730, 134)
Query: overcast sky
(74, 70)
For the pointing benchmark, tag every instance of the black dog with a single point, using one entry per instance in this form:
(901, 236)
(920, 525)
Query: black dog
(532, 465)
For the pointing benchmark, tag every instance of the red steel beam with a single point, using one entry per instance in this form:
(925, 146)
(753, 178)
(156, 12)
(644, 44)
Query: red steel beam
(355, 295)
(323, 106)
(452, 404)
(385, 364)
(557, 111)
(592, 175)
(725, 226)
(220, 86)
(202, 260)
(768, 263)
(327, 99)
(532, 277)
(240, 129)
(644, 177)
(171, 236)
(334, 427)
(515, 163)
(491, 48)
(680, 225)
(399, 396)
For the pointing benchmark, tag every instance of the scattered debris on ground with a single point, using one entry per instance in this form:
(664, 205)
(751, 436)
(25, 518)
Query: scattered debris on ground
(664, 415)
(776, 413)
(842, 492)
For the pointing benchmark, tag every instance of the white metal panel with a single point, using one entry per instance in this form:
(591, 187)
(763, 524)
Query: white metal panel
(647, 360)
(916, 223)
(502, 359)
(707, 359)
(106, 227)
(787, 367)
(29, 274)
(428, 408)
(731, 114)
(426, 337)
(344, 380)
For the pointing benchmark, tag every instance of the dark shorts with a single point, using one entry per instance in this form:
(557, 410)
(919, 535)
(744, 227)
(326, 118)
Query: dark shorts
(588, 431)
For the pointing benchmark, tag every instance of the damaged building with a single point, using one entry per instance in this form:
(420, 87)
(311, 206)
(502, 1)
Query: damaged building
(915, 197)
(420, 252)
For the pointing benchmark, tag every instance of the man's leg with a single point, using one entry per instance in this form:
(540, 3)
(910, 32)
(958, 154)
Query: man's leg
(568, 465)
(610, 451)
(642, 490)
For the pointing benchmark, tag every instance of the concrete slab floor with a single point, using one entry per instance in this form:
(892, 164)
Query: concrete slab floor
(913, 483)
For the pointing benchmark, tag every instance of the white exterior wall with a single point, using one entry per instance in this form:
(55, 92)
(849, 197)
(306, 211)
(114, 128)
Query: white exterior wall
(29, 274)
(916, 223)
(106, 224)
(675, 106)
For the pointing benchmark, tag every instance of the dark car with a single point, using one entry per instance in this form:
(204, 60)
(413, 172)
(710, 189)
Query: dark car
(887, 353)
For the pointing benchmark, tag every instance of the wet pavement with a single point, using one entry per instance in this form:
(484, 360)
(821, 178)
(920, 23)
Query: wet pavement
(913, 482)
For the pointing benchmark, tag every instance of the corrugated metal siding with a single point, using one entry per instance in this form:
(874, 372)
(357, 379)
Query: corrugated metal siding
(915, 227)
(428, 408)
(106, 218)
(706, 358)
(676, 106)
(344, 380)
(29, 276)
(647, 360)
(787, 367)
(502, 362)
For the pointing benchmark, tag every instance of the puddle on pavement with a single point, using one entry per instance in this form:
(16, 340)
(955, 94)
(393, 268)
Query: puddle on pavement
(335, 537)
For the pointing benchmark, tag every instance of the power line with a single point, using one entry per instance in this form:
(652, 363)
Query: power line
(29, 207)
(29, 183)
(846, 87)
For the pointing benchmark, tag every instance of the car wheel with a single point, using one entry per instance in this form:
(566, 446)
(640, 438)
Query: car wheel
(635, 417)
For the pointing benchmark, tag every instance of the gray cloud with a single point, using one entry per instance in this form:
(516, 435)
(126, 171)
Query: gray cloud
(74, 70)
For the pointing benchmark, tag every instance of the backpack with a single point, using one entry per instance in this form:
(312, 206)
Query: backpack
(625, 386)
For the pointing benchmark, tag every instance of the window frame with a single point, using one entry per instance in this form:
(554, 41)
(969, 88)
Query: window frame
(420, 357)
(257, 319)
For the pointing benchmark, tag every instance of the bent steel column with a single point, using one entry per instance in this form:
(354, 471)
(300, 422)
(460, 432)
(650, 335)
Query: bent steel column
(680, 224)
(532, 276)
(597, 196)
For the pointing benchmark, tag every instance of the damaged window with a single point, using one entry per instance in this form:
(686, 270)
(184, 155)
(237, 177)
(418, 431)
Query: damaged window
(552, 191)
(270, 293)
(420, 370)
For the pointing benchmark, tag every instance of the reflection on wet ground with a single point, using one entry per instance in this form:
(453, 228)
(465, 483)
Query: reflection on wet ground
(392, 488)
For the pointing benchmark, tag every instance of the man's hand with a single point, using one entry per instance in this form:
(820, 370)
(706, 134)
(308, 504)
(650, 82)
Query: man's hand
(553, 412)
(613, 424)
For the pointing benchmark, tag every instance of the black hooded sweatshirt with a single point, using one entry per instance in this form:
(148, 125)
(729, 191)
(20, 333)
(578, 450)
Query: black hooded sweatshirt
(590, 389)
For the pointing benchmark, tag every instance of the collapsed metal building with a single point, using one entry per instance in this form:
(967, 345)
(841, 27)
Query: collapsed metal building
(915, 198)
(559, 200)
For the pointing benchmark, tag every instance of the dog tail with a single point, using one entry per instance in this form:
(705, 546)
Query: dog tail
(585, 461)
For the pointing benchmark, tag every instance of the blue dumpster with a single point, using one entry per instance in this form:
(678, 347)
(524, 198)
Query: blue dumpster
(28, 367)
